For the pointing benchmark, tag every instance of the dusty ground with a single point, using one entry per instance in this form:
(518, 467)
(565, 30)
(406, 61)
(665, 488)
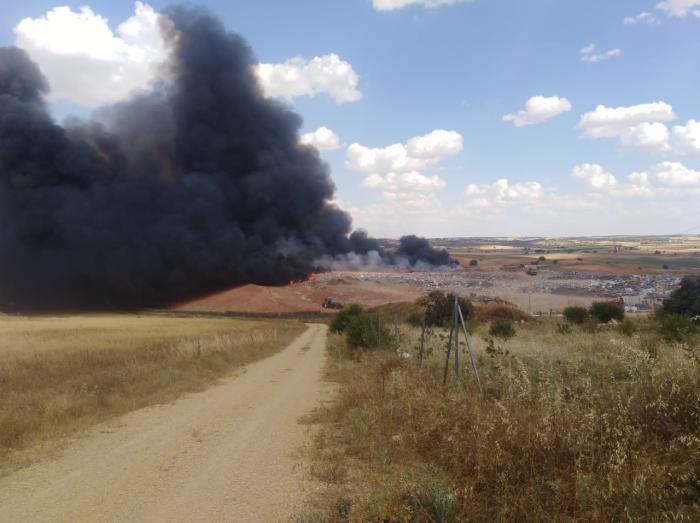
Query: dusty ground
(226, 454)
(303, 297)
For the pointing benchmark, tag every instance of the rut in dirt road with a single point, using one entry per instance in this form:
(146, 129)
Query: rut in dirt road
(226, 454)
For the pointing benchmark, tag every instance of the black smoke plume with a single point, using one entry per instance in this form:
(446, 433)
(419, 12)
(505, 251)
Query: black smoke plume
(198, 185)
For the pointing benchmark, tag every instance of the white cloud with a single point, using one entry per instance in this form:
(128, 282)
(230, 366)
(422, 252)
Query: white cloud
(300, 77)
(592, 55)
(412, 180)
(654, 136)
(538, 109)
(680, 8)
(637, 126)
(391, 5)
(643, 17)
(594, 176)
(84, 61)
(686, 138)
(395, 170)
(322, 138)
(668, 174)
(437, 144)
(418, 153)
(501, 191)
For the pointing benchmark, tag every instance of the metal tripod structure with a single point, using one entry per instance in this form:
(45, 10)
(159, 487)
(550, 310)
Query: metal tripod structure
(457, 321)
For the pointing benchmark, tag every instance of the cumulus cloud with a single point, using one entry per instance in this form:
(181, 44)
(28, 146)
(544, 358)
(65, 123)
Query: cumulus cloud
(301, 77)
(418, 153)
(438, 144)
(539, 109)
(686, 138)
(501, 191)
(668, 174)
(594, 176)
(610, 122)
(653, 136)
(85, 61)
(638, 126)
(591, 54)
(397, 181)
(322, 138)
(680, 8)
(392, 5)
(396, 171)
(642, 18)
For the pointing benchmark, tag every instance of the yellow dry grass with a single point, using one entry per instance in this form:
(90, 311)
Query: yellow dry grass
(573, 426)
(62, 374)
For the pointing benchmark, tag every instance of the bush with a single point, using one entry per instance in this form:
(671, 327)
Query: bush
(439, 308)
(502, 328)
(675, 327)
(576, 314)
(366, 331)
(604, 311)
(473, 263)
(415, 319)
(686, 299)
(500, 311)
(627, 327)
(342, 319)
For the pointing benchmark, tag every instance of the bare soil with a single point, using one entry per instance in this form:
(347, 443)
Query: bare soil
(226, 454)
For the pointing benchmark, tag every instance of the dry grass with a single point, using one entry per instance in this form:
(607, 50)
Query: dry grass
(572, 427)
(59, 375)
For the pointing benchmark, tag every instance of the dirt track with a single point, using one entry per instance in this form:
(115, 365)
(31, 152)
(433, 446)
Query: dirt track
(226, 454)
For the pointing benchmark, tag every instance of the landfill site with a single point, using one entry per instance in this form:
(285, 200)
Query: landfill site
(541, 276)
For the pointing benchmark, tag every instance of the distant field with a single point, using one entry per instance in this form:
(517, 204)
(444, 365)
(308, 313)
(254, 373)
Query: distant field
(62, 374)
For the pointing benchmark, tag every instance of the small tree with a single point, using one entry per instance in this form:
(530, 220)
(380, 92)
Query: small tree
(502, 328)
(604, 311)
(686, 299)
(576, 314)
(473, 263)
(343, 318)
(439, 308)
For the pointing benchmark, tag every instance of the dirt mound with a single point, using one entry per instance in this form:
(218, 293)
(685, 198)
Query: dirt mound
(306, 296)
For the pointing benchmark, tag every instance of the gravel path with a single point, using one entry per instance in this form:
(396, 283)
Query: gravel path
(226, 454)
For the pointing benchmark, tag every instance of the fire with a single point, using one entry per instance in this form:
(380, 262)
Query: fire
(310, 277)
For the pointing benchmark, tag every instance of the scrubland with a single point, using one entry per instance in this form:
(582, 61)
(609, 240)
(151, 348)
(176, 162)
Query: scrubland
(62, 374)
(575, 424)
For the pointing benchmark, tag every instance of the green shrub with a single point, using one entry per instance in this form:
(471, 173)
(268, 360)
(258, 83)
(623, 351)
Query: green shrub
(686, 299)
(604, 311)
(367, 331)
(563, 328)
(675, 327)
(439, 307)
(502, 328)
(415, 319)
(473, 263)
(436, 500)
(576, 314)
(627, 327)
(342, 319)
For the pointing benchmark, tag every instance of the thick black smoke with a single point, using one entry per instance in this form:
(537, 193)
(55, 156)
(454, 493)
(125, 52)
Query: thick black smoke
(198, 185)
(416, 250)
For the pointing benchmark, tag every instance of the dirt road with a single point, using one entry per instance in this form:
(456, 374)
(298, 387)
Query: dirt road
(226, 454)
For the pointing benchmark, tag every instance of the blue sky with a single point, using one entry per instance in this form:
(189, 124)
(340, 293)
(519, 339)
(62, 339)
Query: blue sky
(633, 168)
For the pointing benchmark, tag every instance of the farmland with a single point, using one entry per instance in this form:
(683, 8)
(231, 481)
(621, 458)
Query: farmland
(63, 374)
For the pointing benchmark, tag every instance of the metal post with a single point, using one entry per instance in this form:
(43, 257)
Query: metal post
(449, 349)
(456, 324)
(422, 342)
(471, 352)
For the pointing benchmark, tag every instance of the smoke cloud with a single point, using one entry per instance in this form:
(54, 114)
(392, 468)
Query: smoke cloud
(198, 185)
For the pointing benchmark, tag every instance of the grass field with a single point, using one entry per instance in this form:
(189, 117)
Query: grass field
(573, 426)
(61, 374)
